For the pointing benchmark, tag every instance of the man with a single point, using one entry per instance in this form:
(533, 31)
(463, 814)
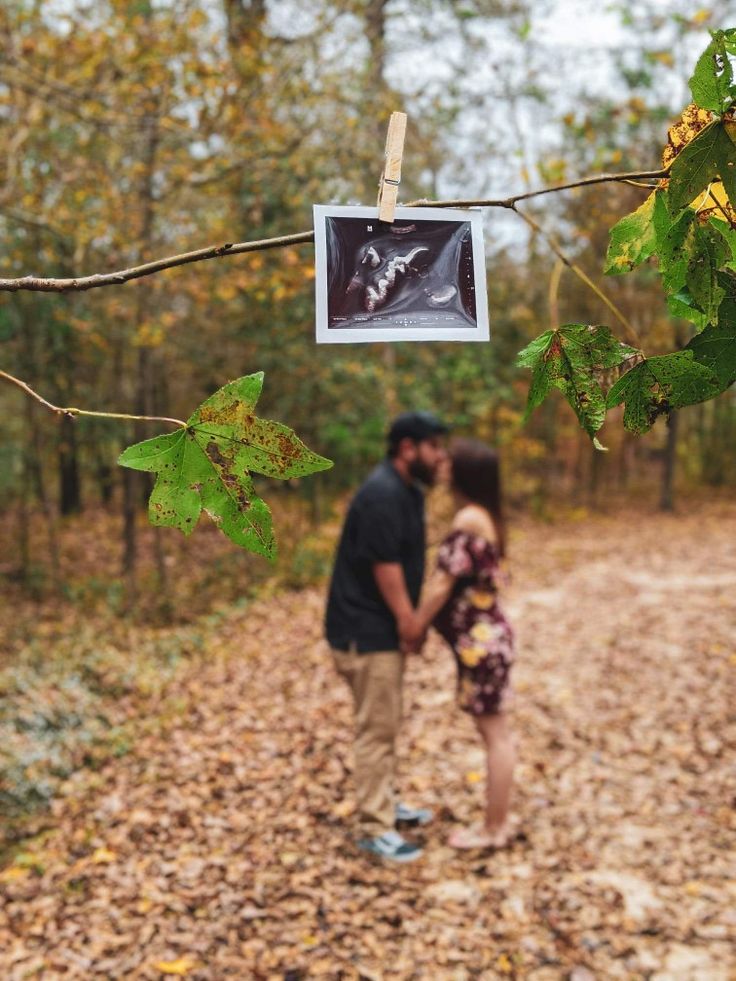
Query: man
(371, 618)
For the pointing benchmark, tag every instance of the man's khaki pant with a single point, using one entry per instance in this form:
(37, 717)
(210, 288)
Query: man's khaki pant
(375, 679)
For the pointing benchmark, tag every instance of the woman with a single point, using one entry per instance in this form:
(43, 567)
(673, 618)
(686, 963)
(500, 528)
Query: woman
(460, 601)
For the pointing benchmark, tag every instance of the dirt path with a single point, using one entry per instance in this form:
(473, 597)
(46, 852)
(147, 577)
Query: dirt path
(220, 848)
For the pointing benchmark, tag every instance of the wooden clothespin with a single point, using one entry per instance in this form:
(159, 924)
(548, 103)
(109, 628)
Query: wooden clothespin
(388, 186)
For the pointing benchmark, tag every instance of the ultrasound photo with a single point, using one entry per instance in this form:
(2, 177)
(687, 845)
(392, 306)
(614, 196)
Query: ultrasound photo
(420, 278)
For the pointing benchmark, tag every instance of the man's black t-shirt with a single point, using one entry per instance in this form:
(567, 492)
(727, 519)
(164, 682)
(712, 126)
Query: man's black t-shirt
(385, 523)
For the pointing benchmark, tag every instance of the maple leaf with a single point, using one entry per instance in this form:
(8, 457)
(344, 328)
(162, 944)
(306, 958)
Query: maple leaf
(715, 347)
(179, 967)
(656, 385)
(712, 81)
(569, 359)
(207, 465)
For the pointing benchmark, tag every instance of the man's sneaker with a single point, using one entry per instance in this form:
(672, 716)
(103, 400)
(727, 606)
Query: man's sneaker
(412, 816)
(391, 845)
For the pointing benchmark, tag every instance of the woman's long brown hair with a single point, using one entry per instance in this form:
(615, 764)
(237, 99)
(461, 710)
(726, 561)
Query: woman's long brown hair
(476, 474)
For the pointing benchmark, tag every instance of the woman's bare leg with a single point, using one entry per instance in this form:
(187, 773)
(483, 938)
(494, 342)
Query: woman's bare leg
(495, 732)
(496, 830)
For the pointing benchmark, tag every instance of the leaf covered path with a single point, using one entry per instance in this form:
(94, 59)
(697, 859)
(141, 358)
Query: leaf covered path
(220, 847)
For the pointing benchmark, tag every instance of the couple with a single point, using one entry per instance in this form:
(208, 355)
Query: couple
(374, 619)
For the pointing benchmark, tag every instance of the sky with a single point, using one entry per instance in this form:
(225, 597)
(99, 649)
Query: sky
(572, 58)
(576, 24)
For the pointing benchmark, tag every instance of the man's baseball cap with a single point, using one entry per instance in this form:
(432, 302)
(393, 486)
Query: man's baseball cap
(415, 425)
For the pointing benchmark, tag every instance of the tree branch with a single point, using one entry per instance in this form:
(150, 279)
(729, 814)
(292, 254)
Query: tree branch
(554, 289)
(573, 267)
(59, 411)
(44, 285)
(516, 198)
(80, 283)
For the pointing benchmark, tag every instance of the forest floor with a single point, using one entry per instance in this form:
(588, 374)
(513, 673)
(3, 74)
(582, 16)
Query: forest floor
(218, 844)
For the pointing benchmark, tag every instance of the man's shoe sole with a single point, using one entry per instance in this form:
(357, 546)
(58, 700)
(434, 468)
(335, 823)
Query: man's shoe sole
(411, 823)
(384, 857)
(414, 822)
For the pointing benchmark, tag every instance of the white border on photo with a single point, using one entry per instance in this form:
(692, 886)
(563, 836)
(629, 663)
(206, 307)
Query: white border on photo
(360, 335)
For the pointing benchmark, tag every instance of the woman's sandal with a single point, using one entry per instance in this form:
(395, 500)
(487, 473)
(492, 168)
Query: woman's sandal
(477, 837)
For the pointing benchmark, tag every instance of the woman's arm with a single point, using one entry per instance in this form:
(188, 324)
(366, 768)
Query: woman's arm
(436, 593)
(391, 584)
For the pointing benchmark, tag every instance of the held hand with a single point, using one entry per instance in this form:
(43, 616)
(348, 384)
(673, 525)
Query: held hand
(415, 648)
(412, 633)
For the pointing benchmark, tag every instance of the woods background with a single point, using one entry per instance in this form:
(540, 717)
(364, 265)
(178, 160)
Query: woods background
(133, 130)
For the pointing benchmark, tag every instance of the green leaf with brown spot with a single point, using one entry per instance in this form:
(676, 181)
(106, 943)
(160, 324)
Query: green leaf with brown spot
(656, 385)
(709, 253)
(569, 359)
(712, 81)
(675, 251)
(715, 347)
(681, 304)
(207, 466)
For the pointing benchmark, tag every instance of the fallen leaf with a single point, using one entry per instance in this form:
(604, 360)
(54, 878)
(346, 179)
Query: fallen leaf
(180, 967)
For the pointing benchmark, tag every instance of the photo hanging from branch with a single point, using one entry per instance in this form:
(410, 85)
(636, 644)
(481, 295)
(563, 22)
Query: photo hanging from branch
(422, 278)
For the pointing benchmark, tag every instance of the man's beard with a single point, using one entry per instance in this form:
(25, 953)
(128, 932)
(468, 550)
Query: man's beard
(422, 472)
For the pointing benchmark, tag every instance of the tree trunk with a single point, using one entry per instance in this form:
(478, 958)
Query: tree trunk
(378, 92)
(624, 462)
(105, 479)
(36, 472)
(667, 496)
(594, 475)
(137, 485)
(375, 32)
(246, 20)
(24, 538)
(130, 545)
(70, 495)
(146, 389)
(245, 24)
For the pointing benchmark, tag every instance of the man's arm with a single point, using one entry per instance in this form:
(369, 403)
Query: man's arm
(391, 584)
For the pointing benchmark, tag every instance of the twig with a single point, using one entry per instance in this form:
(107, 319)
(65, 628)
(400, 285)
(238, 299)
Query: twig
(573, 267)
(71, 411)
(705, 197)
(80, 283)
(44, 285)
(717, 204)
(516, 198)
(554, 287)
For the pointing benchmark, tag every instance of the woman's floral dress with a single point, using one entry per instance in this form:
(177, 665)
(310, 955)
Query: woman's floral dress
(473, 624)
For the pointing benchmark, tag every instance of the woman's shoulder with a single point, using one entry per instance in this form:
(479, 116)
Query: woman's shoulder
(474, 520)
